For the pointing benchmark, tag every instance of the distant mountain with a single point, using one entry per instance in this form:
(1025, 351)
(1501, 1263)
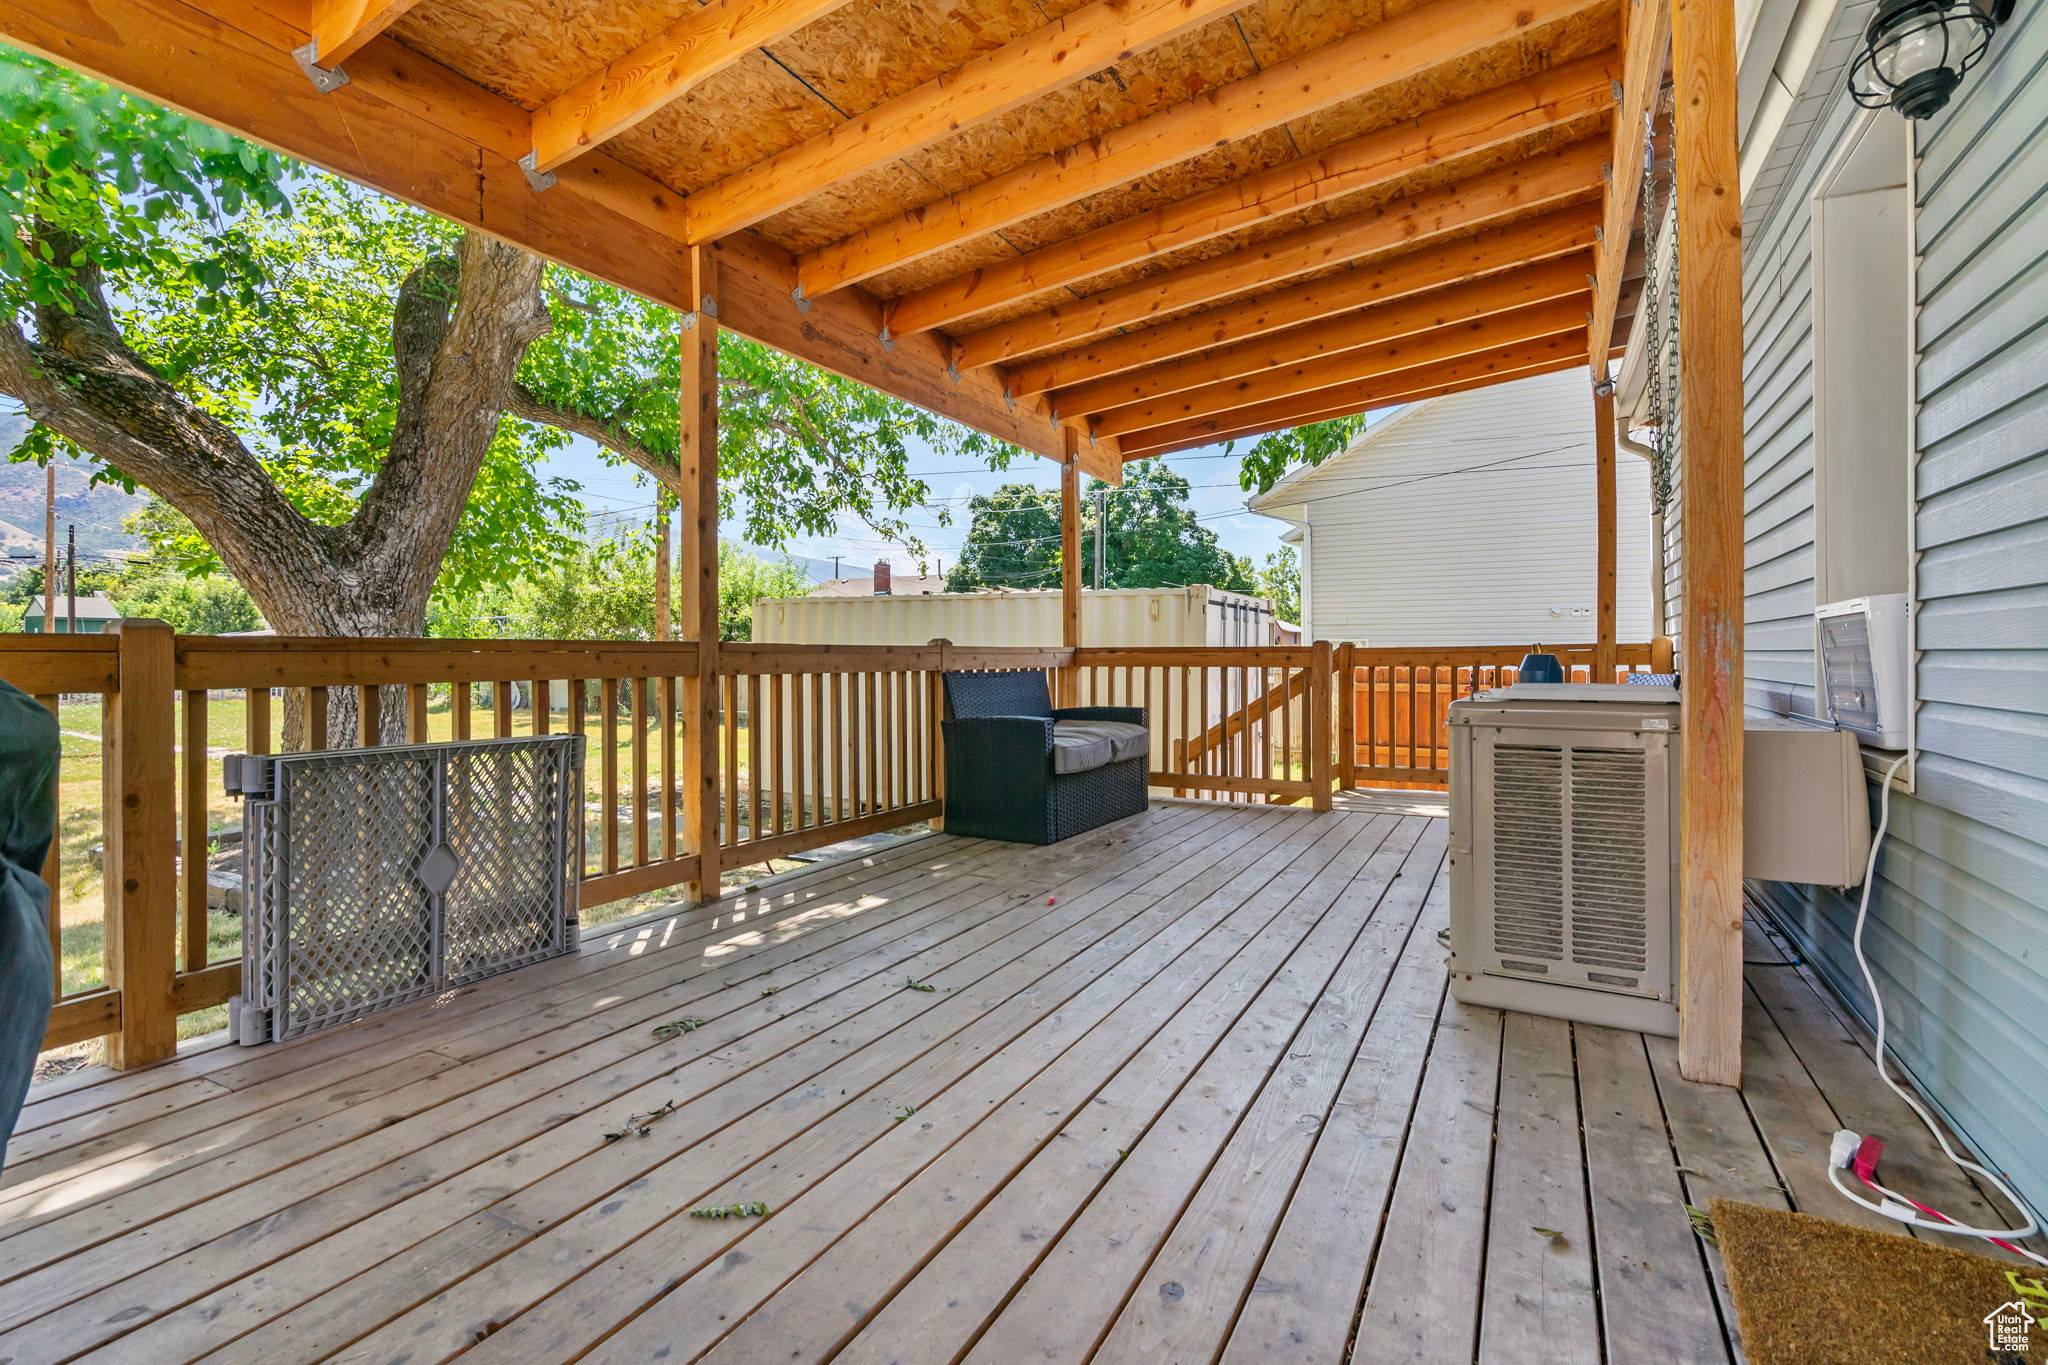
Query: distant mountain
(97, 512)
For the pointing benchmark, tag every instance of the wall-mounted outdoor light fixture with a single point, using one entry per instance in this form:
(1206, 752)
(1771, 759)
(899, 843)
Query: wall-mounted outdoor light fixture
(1915, 52)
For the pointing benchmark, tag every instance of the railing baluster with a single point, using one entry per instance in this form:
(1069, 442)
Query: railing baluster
(193, 853)
(730, 686)
(608, 737)
(636, 716)
(501, 708)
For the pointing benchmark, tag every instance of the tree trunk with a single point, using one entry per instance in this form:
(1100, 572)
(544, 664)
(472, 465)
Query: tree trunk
(459, 329)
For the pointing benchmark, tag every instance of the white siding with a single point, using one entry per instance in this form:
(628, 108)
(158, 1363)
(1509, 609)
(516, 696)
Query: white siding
(1959, 909)
(1410, 544)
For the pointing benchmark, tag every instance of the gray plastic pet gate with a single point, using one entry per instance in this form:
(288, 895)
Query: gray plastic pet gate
(376, 876)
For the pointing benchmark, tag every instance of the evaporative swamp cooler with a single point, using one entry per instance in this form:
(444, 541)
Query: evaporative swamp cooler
(1564, 852)
(376, 876)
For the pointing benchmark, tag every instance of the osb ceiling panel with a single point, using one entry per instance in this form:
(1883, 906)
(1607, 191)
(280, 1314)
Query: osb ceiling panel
(1407, 99)
(534, 50)
(1427, 178)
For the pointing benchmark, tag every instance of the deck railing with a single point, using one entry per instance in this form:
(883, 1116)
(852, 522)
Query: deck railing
(812, 745)
(1232, 723)
(1396, 708)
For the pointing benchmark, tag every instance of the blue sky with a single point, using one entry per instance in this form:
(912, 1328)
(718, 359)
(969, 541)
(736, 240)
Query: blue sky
(615, 494)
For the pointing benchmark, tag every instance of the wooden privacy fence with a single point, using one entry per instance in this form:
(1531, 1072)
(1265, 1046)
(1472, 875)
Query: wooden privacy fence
(1396, 707)
(809, 745)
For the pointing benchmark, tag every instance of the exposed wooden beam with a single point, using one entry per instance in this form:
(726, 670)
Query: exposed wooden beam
(339, 28)
(1549, 178)
(697, 46)
(1545, 355)
(1556, 234)
(1062, 52)
(1711, 532)
(1439, 345)
(1646, 37)
(461, 146)
(1563, 278)
(1430, 38)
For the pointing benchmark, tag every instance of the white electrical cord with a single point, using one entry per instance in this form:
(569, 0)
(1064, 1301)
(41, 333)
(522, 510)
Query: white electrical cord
(1897, 1206)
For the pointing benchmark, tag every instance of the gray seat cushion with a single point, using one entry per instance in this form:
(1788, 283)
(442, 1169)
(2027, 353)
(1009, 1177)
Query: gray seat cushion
(1076, 749)
(1120, 739)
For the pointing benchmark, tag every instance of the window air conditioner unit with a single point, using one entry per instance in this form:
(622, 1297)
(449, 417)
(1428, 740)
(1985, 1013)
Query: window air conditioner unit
(1862, 648)
(1564, 852)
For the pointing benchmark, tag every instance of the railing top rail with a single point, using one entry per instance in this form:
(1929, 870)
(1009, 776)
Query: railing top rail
(47, 665)
(1167, 656)
(207, 662)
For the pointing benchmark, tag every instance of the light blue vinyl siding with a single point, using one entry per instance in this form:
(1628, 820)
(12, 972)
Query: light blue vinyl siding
(1959, 925)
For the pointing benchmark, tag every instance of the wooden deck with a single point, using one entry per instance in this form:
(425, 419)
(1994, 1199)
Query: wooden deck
(1185, 1089)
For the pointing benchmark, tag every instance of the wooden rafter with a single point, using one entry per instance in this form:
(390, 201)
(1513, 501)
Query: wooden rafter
(1549, 178)
(1647, 36)
(1381, 325)
(1437, 346)
(699, 45)
(1396, 277)
(339, 28)
(1430, 38)
(1544, 355)
(1044, 60)
(461, 148)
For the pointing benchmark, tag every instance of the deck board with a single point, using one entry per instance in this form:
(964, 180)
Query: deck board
(1187, 1088)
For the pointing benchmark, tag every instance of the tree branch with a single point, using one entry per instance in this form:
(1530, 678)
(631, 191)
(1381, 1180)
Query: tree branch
(528, 406)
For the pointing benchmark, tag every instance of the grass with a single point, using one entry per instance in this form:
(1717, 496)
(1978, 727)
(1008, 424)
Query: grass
(80, 832)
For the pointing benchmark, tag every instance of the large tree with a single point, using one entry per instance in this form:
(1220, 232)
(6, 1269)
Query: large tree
(1273, 454)
(1153, 539)
(346, 397)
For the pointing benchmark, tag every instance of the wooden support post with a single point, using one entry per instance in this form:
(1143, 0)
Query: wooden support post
(1606, 569)
(1710, 376)
(141, 915)
(1070, 565)
(1321, 675)
(698, 484)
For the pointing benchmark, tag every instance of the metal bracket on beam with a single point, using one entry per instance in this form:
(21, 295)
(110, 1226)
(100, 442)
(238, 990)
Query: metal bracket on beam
(1010, 397)
(1604, 388)
(536, 180)
(325, 79)
(1607, 171)
(888, 340)
(803, 305)
(1615, 86)
(709, 304)
(953, 369)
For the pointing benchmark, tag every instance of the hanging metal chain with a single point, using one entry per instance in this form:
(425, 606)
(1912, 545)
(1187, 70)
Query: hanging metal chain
(1660, 318)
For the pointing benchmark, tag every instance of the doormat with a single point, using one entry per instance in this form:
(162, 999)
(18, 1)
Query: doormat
(1813, 1292)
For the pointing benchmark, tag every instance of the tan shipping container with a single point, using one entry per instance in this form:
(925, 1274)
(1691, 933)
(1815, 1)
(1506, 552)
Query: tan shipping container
(1116, 618)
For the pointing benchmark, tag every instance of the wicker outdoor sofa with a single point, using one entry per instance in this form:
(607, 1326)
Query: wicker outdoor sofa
(1019, 769)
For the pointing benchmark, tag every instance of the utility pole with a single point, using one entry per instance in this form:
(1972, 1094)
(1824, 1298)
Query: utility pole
(50, 550)
(71, 577)
(1101, 515)
(835, 567)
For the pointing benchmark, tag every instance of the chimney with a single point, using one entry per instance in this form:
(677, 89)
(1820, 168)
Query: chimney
(882, 578)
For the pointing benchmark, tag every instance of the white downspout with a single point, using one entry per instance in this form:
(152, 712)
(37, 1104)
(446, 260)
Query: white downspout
(1657, 619)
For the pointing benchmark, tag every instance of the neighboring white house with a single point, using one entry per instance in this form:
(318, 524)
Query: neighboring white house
(1466, 520)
